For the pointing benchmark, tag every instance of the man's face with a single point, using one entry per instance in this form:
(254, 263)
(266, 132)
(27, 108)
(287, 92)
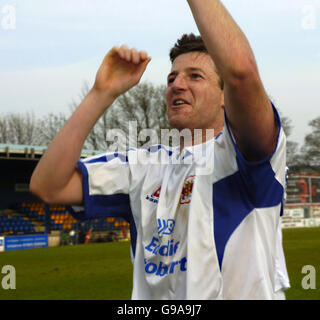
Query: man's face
(194, 96)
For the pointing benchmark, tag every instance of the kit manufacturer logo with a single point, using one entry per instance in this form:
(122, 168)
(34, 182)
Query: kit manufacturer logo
(155, 196)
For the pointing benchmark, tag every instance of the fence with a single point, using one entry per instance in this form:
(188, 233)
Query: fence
(302, 201)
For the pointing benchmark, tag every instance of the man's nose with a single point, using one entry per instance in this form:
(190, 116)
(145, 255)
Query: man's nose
(179, 83)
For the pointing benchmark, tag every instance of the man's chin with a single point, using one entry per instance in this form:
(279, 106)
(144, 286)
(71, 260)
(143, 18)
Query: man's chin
(179, 125)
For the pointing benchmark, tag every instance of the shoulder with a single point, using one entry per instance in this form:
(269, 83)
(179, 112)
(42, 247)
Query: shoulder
(229, 160)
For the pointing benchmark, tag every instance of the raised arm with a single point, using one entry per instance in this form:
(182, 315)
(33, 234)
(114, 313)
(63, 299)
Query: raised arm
(247, 105)
(56, 179)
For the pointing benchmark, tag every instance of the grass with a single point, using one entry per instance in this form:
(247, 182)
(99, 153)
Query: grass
(302, 247)
(104, 270)
(93, 271)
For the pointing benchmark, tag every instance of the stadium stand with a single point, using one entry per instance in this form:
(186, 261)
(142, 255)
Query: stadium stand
(15, 225)
(60, 219)
(30, 218)
(21, 213)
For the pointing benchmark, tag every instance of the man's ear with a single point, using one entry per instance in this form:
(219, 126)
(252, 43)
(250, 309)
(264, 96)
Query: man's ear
(222, 100)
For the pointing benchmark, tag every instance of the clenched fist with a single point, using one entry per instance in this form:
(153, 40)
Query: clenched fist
(121, 69)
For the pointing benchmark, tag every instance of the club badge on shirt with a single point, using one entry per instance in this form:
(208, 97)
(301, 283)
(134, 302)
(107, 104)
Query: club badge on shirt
(187, 190)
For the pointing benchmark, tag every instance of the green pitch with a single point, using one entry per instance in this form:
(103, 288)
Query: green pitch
(92, 271)
(104, 270)
(302, 247)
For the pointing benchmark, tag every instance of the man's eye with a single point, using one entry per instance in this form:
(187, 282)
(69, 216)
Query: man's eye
(170, 80)
(195, 75)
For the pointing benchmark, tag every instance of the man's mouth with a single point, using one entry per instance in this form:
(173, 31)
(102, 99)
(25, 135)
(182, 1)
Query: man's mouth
(179, 102)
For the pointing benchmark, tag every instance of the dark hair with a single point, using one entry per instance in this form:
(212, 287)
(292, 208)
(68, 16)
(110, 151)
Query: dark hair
(190, 43)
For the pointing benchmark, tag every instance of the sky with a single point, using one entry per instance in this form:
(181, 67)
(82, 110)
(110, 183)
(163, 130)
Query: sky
(49, 49)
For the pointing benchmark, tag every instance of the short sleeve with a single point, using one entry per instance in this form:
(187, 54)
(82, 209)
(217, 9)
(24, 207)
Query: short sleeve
(106, 183)
(264, 180)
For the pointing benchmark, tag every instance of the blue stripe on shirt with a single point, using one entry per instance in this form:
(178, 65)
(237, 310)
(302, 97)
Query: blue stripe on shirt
(254, 185)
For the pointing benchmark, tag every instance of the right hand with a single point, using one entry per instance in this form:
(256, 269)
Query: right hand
(121, 69)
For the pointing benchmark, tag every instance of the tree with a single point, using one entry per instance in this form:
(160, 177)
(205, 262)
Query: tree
(293, 156)
(16, 128)
(48, 127)
(145, 104)
(311, 148)
(4, 132)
